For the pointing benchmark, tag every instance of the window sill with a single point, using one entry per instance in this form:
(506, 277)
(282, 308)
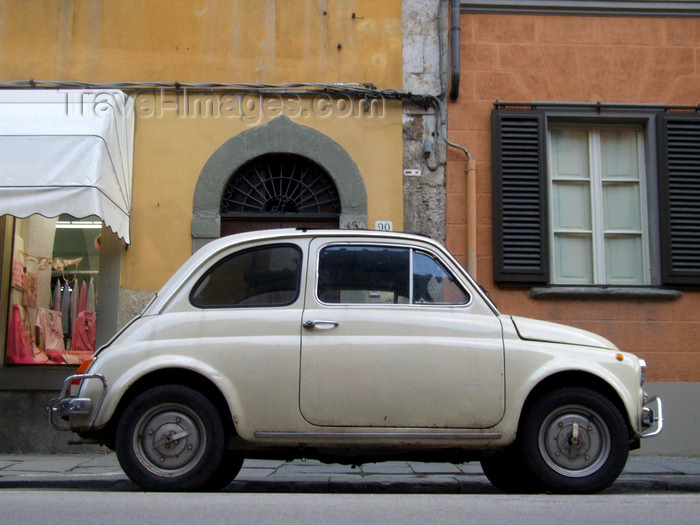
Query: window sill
(604, 292)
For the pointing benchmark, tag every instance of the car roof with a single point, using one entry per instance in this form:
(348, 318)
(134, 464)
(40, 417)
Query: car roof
(281, 234)
(211, 249)
(285, 233)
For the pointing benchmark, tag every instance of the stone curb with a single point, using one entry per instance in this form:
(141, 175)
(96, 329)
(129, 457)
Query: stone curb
(102, 472)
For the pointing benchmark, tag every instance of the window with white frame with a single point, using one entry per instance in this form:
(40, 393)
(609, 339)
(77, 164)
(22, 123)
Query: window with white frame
(597, 194)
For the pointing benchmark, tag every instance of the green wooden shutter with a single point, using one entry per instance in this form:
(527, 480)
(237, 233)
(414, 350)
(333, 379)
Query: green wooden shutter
(679, 198)
(520, 231)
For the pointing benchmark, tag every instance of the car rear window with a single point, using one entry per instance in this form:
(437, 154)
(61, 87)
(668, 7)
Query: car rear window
(266, 276)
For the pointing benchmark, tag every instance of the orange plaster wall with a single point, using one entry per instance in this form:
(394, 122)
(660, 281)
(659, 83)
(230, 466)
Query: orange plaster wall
(522, 58)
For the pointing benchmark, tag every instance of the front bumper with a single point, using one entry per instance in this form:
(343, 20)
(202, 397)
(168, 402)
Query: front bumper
(64, 406)
(652, 416)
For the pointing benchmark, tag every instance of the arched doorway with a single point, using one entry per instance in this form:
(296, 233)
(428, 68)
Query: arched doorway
(279, 136)
(279, 190)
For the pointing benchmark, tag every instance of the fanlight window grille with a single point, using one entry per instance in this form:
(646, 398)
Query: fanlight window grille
(280, 185)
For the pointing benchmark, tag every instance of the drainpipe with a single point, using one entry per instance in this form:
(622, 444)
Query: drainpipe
(454, 51)
(470, 173)
(471, 217)
(455, 73)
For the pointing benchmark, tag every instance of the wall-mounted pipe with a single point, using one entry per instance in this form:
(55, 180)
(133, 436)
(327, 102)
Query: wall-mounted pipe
(454, 51)
(471, 218)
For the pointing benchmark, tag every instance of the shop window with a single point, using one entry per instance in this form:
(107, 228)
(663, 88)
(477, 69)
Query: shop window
(53, 290)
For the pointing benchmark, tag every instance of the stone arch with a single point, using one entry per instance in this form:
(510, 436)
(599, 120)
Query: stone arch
(280, 135)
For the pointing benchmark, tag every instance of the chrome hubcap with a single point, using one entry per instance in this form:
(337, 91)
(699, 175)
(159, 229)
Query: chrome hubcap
(574, 441)
(169, 439)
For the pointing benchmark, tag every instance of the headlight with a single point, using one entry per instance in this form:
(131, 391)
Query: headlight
(643, 368)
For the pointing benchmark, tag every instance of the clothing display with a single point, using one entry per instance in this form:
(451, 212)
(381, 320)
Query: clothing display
(18, 274)
(61, 330)
(82, 302)
(90, 306)
(49, 330)
(56, 302)
(19, 348)
(84, 332)
(57, 263)
(29, 298)
(74, 301)
(65, 310)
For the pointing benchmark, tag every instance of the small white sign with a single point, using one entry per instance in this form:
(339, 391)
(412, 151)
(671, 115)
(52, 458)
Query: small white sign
(383, 226)
(411, 173)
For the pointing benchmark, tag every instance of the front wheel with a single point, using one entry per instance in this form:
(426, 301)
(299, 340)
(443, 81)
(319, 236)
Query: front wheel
(171, 438)
(574, 440)
(507, 472)
(228, 469)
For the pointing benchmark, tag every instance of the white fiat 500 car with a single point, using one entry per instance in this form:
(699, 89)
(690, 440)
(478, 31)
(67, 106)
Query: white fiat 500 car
(352, 347)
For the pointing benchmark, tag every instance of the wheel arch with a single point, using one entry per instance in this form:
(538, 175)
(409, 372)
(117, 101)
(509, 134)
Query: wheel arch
(175, 376)
(576, 378)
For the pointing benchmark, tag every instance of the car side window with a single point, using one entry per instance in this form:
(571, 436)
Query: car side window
(432, 284)
(267, 276)
(363, 275)
(382, 275)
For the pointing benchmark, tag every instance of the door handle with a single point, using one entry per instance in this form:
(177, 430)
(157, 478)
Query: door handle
(324, 325)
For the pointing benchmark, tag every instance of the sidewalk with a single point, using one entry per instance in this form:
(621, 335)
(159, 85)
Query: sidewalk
(102, 472)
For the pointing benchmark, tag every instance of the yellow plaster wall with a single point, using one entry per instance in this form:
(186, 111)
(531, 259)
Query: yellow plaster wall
(237, 41)
(171, 150)
(262, 41)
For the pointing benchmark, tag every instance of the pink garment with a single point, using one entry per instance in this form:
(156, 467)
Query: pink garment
(19, 349)
(49, 326)
(82, 303)
(18, 274)
(84, 332)
(29, 298)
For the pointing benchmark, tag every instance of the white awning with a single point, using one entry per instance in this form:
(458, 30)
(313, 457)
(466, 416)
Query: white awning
(67, 151)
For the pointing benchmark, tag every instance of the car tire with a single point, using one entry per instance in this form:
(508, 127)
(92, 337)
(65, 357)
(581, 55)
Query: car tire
(228, 469)
(574, 441)
(171, 438)
(507, 472)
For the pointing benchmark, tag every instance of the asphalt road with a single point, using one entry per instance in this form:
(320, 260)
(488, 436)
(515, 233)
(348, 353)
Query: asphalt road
(40, 507)
(76, 489)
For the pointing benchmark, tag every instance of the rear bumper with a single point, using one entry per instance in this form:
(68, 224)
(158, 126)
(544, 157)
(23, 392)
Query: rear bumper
(64, 406)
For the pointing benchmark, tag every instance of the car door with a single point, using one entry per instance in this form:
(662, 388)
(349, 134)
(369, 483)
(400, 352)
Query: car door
(242, 319)
(391, 338)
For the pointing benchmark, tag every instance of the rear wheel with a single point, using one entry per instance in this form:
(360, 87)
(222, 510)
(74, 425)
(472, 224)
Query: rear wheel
(171, 438)
(574, 440)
